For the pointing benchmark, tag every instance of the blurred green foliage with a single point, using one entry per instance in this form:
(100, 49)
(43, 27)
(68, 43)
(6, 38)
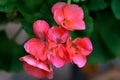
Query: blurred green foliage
(102, 18)
(10, 53)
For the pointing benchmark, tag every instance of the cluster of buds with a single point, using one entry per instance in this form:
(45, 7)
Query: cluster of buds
(53, 46)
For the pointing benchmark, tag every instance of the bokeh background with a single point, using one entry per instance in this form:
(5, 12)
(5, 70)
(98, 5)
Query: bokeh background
(102, 18)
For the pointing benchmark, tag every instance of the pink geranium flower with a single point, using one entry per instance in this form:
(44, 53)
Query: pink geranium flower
(36, 67)
(78, 49)
(68, 16)
(53, 45)
(38, 46)
(57, 38)
(40, 28)
(58, 35)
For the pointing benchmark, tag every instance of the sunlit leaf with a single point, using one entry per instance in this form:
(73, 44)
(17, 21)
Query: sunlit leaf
(7, 5)
(115, 5)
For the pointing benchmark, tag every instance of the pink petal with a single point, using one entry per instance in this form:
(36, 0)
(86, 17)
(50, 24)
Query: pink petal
(73, 15)
(50, 74)
(58, 5)
(59, 57)
(58, 35)
(36, 72)
(36, 48)
(73, 11)
(58, 16)
(29, 59)
(57, 11)
(74, 24)
(37, 68)
(52, 45)
(40, 28)
(75, 51)
(79, 60)
(62, 52)
(71, 50)
(56, 61)
(84, 45)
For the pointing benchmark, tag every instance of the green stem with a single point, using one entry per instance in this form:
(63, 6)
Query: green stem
(68, 1)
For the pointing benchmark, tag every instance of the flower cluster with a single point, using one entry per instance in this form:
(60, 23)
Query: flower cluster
(52, 45)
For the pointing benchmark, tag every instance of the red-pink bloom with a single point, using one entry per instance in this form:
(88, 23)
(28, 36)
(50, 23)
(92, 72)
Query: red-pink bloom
(36, 67)
(40, 28)
(53, 46)
(58, 35)
(58, 54)
(78, 49)
(69, 16)
(58, 5)
(38, 46)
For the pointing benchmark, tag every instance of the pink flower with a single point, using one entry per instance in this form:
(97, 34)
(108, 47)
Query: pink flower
(38, 46)
(58, 35)
(36, 67)
(68, 16)
(78, 49)
(58, 54)
(53, 46)
(40, 28)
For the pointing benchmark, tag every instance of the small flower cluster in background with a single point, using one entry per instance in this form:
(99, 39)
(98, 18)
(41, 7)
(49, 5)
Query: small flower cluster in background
(53, 45)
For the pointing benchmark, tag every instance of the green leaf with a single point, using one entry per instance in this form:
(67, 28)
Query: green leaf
(99, 53)
(5, 56)
(7, 5)
(76, 1)
(33, 5)
(89, 25)
(44, 13)
(50, 3)
(10, 53)
(96, 5)
(27, 26)
(29, 7)
(88, 21)
(112, 41)
(105, 38)
(115, 6)
(17, 52)
(110, 33)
